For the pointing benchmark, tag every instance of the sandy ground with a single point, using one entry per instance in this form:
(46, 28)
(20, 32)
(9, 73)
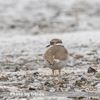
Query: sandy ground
(22, 68)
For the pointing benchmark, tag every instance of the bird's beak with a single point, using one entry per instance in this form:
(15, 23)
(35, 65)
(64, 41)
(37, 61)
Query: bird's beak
(47, 45)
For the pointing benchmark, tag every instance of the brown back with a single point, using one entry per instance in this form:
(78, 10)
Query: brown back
(56, 52)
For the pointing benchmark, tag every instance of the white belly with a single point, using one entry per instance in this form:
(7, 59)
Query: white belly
(59, 65)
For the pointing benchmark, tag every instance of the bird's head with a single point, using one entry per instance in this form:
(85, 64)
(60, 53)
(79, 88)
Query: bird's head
(54, 42)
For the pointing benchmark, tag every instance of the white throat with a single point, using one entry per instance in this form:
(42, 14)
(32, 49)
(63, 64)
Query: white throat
(59, 44)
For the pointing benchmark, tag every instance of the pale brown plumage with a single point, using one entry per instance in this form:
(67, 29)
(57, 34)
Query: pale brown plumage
(56, 52)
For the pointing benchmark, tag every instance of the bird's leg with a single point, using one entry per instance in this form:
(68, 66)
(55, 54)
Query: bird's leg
(59, 77)
(53, 77)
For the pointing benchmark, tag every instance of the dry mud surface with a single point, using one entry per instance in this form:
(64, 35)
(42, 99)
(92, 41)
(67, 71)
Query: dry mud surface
(22, 68)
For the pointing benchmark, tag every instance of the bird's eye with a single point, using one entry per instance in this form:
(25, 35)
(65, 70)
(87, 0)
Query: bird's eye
(51, 43)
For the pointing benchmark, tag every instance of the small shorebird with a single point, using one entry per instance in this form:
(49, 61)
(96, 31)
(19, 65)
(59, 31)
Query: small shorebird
(56, 56)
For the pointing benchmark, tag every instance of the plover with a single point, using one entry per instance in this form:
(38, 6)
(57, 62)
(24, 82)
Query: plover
(56, 57)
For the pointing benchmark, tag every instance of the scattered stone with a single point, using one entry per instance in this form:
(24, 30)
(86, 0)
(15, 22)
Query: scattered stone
(79, 75)
(47, 83)
(83, 79)
(65, 82)
(79, 83)
(78, 56)
(90, 53)
(80, 98)
(65, 79)
(95, 84)
(23, 86)
(91, 70)
(32, 88)
(92, 98)
(16, 69)
(35, 73)
(83, 90)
